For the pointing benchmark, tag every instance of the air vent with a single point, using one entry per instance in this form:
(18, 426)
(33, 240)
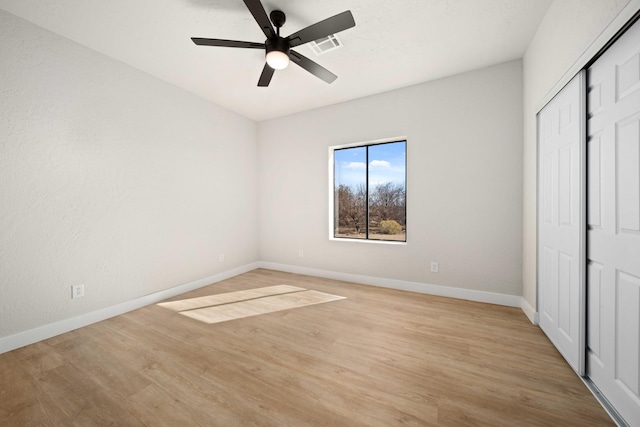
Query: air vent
(325, 44)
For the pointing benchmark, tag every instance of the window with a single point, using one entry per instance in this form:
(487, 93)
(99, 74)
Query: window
(369, 191)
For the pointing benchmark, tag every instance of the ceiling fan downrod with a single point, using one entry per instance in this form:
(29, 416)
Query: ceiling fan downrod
(278, 18)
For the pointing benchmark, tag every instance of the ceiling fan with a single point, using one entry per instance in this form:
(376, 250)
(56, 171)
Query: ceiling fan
(278, 49)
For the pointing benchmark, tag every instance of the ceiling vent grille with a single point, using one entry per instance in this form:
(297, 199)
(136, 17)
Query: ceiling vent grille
(325, 44)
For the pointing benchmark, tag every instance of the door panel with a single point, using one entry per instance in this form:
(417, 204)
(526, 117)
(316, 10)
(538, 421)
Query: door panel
(628, 295)
(594, 182)
(628, 174)
(613, 275)
(561, 222)
(594, 323)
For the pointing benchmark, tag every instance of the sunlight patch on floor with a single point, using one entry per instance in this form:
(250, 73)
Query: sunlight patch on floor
(252, 302)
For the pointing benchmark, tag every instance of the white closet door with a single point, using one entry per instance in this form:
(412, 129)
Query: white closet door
(613, 274)
(561, 222)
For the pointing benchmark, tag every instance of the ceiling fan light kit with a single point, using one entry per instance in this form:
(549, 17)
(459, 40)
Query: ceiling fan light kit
(277, 60)
(278, 52)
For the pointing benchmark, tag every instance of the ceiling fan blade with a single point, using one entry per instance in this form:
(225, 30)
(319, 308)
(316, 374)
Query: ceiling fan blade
(312, 67)
(265, 77)
(333, 25)
(227, 43)
(260, 15)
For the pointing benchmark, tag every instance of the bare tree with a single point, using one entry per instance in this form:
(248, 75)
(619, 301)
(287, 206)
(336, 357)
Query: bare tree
(387, 201)
(351, 206)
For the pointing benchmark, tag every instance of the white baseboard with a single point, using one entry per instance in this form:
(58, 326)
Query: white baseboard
(425, 288)
(531, 313)
(40, 333)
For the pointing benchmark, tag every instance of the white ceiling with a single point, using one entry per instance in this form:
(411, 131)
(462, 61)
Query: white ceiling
(395, 43)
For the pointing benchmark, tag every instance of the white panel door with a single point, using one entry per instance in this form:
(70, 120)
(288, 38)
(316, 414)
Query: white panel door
(613, 272)
(561, 222)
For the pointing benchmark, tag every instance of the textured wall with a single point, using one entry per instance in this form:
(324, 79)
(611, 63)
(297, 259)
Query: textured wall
(567, 30)
(464, 192)
(111, 178)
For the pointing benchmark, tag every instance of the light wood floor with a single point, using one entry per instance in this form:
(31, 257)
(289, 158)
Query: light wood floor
(378, 358)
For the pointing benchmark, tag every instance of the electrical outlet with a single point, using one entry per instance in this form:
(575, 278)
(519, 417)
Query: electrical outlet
(434, 266)
(300, 253)
(77, 291)
(221, 257)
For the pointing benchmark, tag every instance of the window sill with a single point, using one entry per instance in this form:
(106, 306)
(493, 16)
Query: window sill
(379, 242)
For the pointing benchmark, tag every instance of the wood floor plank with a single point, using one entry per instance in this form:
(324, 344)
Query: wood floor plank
(380, 357)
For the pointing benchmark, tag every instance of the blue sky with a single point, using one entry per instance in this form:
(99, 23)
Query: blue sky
(386, 164)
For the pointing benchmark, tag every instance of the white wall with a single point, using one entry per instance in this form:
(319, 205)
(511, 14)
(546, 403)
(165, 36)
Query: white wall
(565, 33)
(111, 178)
(464, 172)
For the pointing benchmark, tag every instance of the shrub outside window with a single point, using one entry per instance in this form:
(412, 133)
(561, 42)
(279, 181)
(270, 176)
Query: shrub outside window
(369, 191)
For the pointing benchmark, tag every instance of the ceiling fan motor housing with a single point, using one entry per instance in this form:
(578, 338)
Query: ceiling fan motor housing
(278, 43)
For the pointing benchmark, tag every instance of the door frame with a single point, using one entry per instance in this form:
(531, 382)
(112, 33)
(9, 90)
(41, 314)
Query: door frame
(627, 16)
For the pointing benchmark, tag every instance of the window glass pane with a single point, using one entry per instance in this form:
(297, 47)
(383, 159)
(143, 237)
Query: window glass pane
(387, 191)
(350, 194)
